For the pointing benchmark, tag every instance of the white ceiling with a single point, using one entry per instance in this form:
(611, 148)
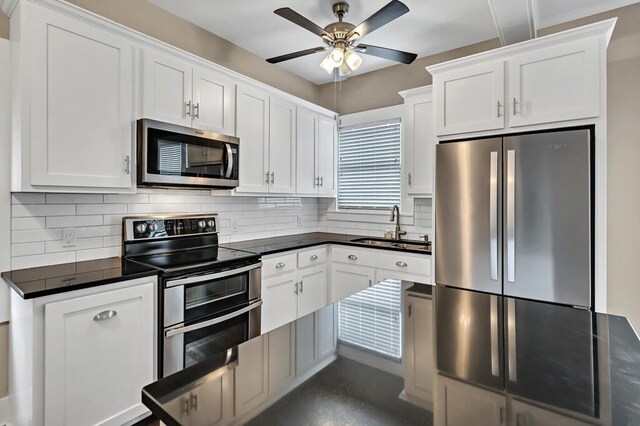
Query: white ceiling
(431, 26)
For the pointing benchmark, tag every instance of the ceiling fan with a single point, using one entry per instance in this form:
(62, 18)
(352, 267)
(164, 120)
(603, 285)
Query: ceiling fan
(341, 38)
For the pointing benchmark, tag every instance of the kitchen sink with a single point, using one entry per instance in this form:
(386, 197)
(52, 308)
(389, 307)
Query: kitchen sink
(411, 245)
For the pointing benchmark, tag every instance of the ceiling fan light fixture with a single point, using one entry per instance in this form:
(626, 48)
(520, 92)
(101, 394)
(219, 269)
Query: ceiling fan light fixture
(344, 70)
(327, 64)
(337, 56)
(352, 59)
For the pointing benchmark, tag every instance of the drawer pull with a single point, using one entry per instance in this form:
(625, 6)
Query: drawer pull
(105, 315)
(279, 265)
(314, 257)
(352, 257)
(401, 264)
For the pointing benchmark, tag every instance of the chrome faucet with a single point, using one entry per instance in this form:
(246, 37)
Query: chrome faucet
(395, 215)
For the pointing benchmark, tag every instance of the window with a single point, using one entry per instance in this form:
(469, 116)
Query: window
(369, 170)
(371, 319)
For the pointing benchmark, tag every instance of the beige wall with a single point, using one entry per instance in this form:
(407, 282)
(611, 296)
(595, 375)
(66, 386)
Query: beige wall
(154, 21)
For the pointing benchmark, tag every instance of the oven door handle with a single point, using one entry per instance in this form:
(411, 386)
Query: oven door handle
(188, 328)
(229, 161)
(208, 277)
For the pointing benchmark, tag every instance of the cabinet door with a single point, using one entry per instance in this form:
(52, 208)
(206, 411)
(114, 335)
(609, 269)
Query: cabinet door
(470, 99)
(306, 152)
(280, 301)
(306, 347)
(419, 140)
(251, 375)
(458, 403)
(327, 140)
(312, 289)
(418, 356)
(81, 98)
(211, 403)
(349, 279)
(527, 414)
(252, 127)
(326, 331)
(214, 102)
(167, 88)
(282, 357)
(282, 146)
(102, 341)
(555, 84)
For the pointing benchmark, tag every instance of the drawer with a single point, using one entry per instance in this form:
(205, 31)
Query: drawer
(353, 256)
(383, 275)
(401, 262)
(278, 264)
(312, 257)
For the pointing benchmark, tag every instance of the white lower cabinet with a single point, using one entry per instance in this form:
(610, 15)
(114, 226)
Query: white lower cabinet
(349, 279)
(252, 375)
(280, 301)
(522, 413)
(461, 404)
(312, 289)
(418, 357)
(282, 357)
(104, 342)
(315, 339)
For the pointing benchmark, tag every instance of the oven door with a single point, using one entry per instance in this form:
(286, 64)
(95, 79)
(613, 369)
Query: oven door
(181, 156)
(189, 298)
(189, 344)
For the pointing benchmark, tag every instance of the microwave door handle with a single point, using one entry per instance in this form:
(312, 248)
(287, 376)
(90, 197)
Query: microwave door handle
(181, 330)
(207, 277)
(229, 161)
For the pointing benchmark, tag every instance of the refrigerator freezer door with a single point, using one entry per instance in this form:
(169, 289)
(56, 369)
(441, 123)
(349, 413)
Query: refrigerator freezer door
(468, 203)
(547, 216)
(469, 336)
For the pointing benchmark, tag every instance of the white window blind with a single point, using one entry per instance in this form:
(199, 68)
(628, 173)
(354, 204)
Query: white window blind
(371, 319)
(369, 170)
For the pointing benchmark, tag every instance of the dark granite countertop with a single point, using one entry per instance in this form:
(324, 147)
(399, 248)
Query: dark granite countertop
(46, 280)
(267, 246)
(564, 361)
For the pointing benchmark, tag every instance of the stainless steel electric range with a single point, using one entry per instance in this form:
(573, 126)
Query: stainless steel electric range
(209, 298)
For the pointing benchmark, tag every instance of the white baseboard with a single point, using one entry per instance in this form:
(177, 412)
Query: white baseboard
(5, 417)
(427, 405)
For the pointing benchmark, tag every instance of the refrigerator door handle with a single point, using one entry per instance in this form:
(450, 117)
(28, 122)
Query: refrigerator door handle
(511, 338)
(495, 349)
(511, 213)
(493, 215)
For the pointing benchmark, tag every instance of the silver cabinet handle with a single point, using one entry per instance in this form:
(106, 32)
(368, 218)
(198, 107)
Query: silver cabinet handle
(313, 257)
(189, 109)
(493, 216)
(370, 283)
(127, 165)
(181, 329)
(209, 277)
(409, 179)
(105, 315)
(352, 257)
(267, 180)
(196, 110)
(280, 265)
(410, 310)
(273, 178)
(296, 288)
(322, 181)
(498, 109)
(511, 212)
(514, 106)
(301, 286)
(401, 264)
(495, 349)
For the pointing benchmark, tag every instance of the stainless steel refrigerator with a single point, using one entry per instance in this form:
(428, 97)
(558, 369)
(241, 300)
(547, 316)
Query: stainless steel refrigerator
(514, 216)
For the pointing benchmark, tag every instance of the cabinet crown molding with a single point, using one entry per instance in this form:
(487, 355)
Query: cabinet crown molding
(7, 6)
(417, 91)
(602, 29)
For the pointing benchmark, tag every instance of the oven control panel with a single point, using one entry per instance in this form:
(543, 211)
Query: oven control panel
(141, 228)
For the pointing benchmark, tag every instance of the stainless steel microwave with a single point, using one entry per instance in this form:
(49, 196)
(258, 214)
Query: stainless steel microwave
(171, 155)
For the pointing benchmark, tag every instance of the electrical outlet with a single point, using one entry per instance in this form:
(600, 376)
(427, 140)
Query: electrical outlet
(69, 237)
(299, 217)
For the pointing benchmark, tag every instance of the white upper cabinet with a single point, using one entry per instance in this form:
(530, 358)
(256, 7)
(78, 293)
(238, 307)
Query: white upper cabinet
(252, 127)
(282, 146)
(555, 84)
(76, 93)
(535, 84)
(470, 99)
(327, 166)
(316, 147)
(176, 92)
(418, 142)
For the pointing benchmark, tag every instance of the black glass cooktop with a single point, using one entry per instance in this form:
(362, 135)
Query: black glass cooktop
(204, 257)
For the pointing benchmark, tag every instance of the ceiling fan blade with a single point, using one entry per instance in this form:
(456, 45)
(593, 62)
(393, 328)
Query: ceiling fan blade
(296, 18)
(383, 52)
(394, 9)
(297, 54)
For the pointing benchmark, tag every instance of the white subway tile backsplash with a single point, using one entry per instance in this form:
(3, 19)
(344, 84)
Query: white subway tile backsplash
(22, 262)
(81, 244)
(99, 253)
(168, 198)
(73, 198)
(73, 221)
(84, 209)
(26, 249)
(34, 235)
(126, 198)
(22, 223)
(27, 210)
(27, 198)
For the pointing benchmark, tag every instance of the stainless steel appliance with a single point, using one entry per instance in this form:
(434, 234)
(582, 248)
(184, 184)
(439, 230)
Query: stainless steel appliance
(172, 155)
(514, 216)
(210, 299)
